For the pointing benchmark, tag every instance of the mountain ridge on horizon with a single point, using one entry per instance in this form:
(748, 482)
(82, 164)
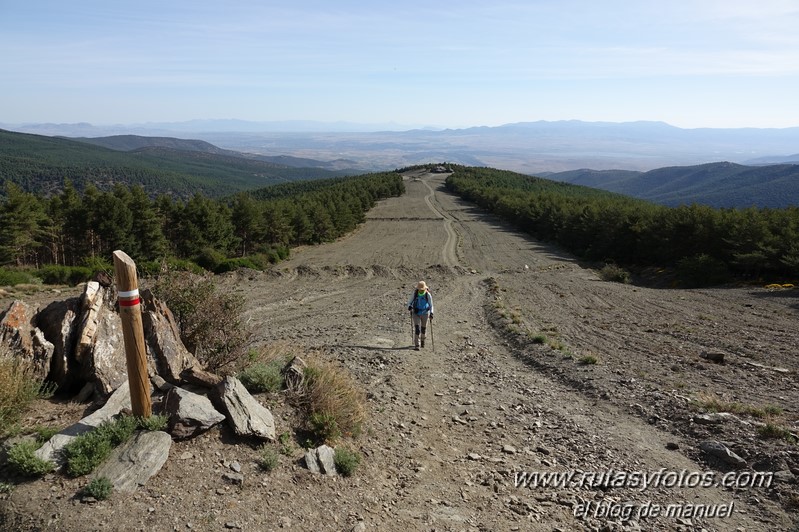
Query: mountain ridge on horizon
(530, 148)
(313, 126)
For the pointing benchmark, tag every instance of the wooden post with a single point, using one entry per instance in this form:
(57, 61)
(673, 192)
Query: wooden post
(133, 333)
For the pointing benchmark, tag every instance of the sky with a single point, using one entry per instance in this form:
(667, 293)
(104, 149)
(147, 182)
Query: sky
(690, 63)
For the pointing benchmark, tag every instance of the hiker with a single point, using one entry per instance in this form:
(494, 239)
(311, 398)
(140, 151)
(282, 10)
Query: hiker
(421, 308)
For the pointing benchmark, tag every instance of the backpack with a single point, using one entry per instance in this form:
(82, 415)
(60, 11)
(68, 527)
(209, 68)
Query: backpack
(420, 304)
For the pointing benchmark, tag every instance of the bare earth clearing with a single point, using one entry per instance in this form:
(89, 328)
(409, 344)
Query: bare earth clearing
(451, 427)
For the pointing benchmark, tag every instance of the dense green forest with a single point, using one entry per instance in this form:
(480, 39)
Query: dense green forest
(704, 244)
(71, 228)
(41, 165)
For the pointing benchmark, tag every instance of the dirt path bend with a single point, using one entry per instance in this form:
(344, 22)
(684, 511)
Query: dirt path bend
(458, 431)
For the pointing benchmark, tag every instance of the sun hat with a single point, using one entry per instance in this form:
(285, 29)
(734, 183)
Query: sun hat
(421, 285)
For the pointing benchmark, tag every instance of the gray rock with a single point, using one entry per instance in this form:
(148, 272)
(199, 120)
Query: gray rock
(90, 302)
(326, 459)
(294, 374)
(58, 323)
(713, 356)
(234, 478)
(24, 339)
(162, 336)
(246, 416)
(189, 414)
(312, 461)
(715, 418)
(105, 363)
(509, 449)
(133, 463)
(722, 452)
(785, 477)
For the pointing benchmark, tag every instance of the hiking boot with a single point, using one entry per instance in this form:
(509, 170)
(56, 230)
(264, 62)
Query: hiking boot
(416, 348)
(422, 342)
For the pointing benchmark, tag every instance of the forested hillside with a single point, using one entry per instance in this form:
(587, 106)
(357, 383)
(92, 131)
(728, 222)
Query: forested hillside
(72, 228)
(723, 184)
(41, 165)
(706, 245)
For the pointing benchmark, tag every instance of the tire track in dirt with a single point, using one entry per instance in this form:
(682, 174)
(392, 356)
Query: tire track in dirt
(449, 253)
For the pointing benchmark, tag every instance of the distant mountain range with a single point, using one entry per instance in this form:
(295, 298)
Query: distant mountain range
(175, 167)
(526, 147)
(721, 184)
(181, 167)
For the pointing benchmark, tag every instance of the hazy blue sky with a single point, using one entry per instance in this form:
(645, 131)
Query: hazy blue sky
(691, 63)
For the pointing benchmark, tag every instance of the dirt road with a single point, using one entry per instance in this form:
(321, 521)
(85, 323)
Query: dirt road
(453, 430)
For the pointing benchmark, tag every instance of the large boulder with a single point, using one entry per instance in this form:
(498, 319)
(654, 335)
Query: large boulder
(57, 321)
(190, 414)
(105, 363)
(134, 462)
(169, 357)
(24, 339)
(246, 416)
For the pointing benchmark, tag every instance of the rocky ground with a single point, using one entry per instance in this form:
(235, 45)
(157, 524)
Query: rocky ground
(505, 387)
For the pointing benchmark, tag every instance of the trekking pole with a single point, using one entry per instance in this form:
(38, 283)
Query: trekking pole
(432, 336)
(410, 313)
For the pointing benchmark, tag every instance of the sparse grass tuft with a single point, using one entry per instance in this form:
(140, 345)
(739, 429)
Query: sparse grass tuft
(540, 339)
(324, 426)
(99, 488)
(263, 372)
(285, 444)
(775, 432)
(711, 403)
(268, 459)
(18, 389)
(153, 423)
(346, 461)
(334, 404)
(588, 360)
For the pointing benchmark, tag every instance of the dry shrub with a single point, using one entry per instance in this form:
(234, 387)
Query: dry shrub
(334, 403)
(210, 322)
(18, 388)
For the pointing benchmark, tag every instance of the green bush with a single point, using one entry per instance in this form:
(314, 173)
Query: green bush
(13, 277)
(324, 426)
(69, 275)
(346, 461)
(210, 259)
(99, 488)
(263, 377)
(154, 268)
(540, 339)
(588, 360)
(614, 273)
(702, 270)
(24, 461)
(89, 450)
(210, 321)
